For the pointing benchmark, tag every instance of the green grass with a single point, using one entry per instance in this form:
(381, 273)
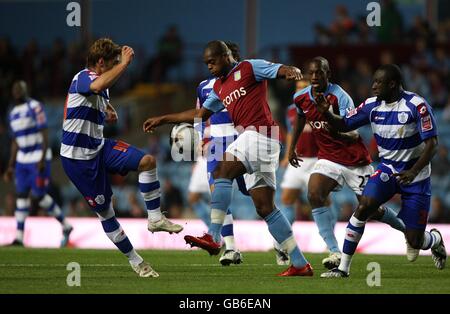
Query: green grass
(106, 271)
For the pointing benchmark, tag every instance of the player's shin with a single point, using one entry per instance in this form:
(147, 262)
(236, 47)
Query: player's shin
(150, 189)
(227, 231)
(53, 209)
(21, 213)
(390, 217)
(281, 231)
(118, 236)
(325, 223)
(353, 234)
(220, 202)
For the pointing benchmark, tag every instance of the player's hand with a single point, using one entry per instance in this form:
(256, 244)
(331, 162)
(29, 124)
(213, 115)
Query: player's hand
(111, 115)
(127, 55)
(293, 74)
(151, 124)
(406, 177)
(41, 166)
(294, 160)
(9, 174)
(323, 103)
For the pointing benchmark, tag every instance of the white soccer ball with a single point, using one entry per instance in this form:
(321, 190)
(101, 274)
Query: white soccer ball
(184, 140)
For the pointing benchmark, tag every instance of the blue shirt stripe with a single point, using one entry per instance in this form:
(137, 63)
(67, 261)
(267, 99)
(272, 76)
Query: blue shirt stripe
(80, 140)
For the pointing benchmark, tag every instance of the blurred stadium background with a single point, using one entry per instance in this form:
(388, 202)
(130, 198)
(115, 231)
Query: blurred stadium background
(168, 36)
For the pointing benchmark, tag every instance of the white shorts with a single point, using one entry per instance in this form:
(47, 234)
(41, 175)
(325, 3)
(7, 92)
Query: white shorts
(355, 177)
(199, 179)
(260, 156)
(297, 178)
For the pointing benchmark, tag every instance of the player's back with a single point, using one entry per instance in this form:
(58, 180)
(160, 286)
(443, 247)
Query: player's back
(84, 114)
(26, 122)
(330, 146)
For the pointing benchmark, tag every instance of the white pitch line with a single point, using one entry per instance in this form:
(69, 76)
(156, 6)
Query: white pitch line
(123, 265)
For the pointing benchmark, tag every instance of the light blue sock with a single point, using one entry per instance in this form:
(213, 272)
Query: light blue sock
(281, 231)
(227, 229)
(325, 223)
(390, 218)
(289, 212)
(220, 202)
(201, 209)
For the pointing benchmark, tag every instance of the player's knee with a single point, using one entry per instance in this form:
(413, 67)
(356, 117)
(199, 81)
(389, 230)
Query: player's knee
(365, 209)
(316, 199)
(35, 200)
(263, 210)
(147, 162)
(193, 198)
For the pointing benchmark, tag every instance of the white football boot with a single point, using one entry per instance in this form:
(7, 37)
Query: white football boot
(332, 261)
(164, 225)
(144, 270)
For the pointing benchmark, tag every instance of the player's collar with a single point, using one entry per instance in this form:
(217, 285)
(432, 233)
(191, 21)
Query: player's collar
(234, 65)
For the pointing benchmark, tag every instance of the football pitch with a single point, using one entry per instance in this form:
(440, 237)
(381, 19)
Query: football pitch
(195, 272)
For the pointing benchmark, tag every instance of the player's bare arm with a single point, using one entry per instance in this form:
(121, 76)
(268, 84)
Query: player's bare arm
(108, 78)
(111, 114)
(9, 172)
(289, 73)
(42, 162)
(298, 129)
(407, 176)
(187, 116)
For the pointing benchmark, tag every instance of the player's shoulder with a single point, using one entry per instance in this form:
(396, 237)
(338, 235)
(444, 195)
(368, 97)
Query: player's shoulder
(208, 83)
(371, 101)
(338, 91)
(305, 92)
(413, 98)
(34, 103)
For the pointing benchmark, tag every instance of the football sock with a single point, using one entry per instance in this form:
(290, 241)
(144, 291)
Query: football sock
(281, 231)
(325, 223)
(390, 218)
(220, 202)
(353, 234)
(54, 210)
(288, 211)
(430, 240)
(151, 192)
(201, 210)
(21, 213)
(117, 235)
(227, 231)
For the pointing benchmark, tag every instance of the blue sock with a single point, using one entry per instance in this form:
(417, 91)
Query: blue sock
(201, 209)
(289, 212)
(390, 218)
(116, 234)
(281, 231)
(228, 232)
(325, 223)
(220, 202)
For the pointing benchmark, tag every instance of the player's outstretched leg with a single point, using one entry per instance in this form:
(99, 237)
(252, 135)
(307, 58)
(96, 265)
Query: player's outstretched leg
(21, 213)
(220, 202)
(54, 210)
(151, 192)
(117, 235)
(230, 255)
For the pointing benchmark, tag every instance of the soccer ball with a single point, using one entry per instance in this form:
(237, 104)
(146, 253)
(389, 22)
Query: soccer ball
(184, 140)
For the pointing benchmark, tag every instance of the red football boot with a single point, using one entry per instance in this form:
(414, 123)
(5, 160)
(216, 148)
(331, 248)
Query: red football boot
(205, 242)
(294, 271)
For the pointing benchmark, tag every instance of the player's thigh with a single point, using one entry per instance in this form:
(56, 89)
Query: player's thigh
(40, 182)
(229, 168)
(91, 178)
(356, 178)
(319, 187)
(120, 157)
(263, 199)
(23, 180)
(416, 200)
